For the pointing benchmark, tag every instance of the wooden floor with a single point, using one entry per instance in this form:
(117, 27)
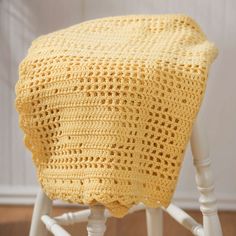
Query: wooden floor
(15, 220)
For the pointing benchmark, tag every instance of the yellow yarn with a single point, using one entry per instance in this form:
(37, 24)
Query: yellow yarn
(107, 107)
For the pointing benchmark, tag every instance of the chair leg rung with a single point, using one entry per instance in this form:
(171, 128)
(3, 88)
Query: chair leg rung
(184, 219)
(53, 227)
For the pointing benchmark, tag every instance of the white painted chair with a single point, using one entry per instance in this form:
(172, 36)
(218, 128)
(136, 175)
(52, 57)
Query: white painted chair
(97, 215)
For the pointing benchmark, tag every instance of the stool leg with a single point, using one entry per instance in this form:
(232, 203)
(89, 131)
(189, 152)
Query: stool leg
(96, 221)
(205, 181)
(154, 218)
(42, 206)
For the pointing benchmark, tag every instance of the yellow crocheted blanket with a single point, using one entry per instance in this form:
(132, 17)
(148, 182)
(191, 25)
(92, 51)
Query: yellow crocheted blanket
(107, 107)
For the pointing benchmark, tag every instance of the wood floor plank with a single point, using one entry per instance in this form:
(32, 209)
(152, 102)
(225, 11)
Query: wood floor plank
(15, 220)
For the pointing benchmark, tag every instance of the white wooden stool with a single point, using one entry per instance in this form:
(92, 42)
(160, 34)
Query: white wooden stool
(97, 215)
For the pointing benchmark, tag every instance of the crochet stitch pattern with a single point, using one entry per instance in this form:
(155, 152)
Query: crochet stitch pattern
(107, 107)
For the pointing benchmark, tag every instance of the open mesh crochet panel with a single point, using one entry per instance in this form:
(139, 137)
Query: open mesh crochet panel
(107, 107)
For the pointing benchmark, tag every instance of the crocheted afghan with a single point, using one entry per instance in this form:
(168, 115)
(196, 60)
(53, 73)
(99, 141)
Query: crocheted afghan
(107, 107)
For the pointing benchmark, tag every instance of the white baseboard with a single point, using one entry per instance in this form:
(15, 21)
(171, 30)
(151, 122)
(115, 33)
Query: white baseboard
(189, 200)
(21, 195)
(18, 195)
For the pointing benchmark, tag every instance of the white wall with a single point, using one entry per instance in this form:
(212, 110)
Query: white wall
(21, 21)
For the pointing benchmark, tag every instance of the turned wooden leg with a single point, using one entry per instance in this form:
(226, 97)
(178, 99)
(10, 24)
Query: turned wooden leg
(96, 221)
(205, 182)
(154, 220)
(42, 206)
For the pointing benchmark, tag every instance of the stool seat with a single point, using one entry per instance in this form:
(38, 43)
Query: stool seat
(107, 107)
